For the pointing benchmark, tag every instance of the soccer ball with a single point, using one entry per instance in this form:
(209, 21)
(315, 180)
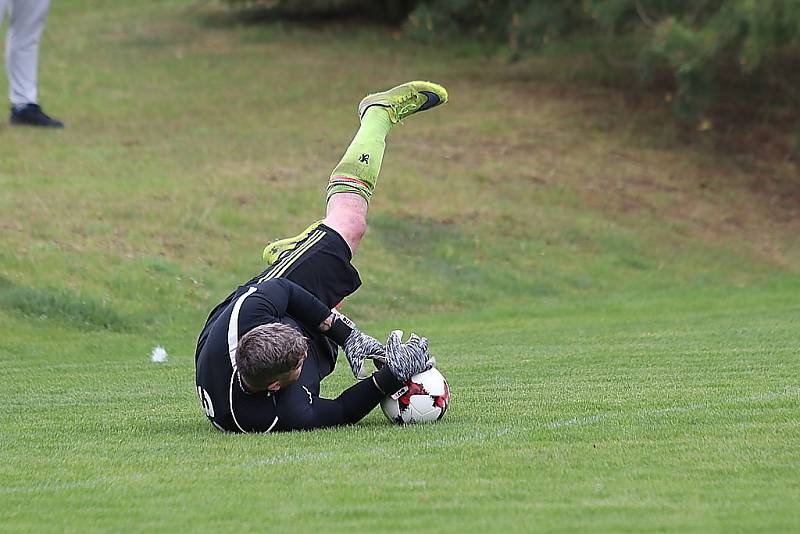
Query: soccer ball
(423, 399)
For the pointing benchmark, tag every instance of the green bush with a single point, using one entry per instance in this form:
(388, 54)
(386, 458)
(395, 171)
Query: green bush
(389, 11)
(695, 40)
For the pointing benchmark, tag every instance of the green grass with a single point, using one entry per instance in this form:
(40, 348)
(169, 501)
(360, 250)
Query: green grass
(613, 415)
(616, 311)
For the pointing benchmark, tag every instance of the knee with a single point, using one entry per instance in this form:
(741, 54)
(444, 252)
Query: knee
(353, 227)
(347, 214)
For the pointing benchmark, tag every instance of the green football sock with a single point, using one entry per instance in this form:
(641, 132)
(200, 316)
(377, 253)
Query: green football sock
(358, 171)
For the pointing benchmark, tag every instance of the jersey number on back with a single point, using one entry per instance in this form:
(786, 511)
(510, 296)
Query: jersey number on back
(205, 402)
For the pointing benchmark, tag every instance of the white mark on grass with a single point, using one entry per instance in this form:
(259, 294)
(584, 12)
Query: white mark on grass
(455, 440)
(476, 437)
(288, 458)
(592, 419)
(158, 355)
(576, 421)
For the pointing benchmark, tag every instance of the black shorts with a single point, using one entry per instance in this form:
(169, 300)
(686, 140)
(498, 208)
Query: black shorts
(320, 264)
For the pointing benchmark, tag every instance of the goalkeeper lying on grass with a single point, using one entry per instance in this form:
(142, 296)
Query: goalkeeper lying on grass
(264, 350)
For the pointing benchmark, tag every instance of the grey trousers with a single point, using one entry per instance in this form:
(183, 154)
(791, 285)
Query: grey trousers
(22, 46)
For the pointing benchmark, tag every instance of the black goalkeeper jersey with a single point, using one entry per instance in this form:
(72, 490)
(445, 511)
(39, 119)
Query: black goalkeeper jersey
(226, 402)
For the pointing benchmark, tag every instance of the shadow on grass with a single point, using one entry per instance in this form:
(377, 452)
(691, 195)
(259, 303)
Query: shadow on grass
(60, 304)
(470, 270)
(300, 16)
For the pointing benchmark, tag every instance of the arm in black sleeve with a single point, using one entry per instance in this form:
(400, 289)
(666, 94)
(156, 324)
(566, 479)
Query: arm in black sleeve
(280, 297)
(300, 410)
(294, 300)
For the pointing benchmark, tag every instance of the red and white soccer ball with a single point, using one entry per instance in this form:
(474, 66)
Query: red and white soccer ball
(423, 399)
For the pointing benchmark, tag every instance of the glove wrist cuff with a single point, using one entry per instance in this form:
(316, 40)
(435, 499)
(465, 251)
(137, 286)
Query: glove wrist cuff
(340, 329)
(386, 381)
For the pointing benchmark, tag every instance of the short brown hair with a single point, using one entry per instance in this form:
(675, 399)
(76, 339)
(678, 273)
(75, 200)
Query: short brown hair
(268, 352)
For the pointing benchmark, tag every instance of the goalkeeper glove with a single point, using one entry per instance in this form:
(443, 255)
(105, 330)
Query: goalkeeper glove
(407, 359)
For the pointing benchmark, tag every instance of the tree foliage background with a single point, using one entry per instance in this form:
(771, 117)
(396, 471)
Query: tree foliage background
(703, 45)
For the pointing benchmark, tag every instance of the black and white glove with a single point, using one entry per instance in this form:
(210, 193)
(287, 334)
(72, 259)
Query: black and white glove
(407, 359)
(358, 347)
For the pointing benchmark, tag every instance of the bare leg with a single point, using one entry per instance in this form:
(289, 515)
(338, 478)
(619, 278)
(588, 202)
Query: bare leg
(347, 214)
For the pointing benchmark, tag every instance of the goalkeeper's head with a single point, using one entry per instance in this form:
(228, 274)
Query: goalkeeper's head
(270, 357)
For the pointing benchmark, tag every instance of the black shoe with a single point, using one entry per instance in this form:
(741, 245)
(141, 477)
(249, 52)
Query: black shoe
(32, 115)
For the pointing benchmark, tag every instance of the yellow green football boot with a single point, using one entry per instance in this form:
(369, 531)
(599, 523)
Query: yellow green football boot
(405, 100)
(273, 251)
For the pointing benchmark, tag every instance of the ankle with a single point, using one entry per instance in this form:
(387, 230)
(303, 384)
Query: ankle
(377, 116)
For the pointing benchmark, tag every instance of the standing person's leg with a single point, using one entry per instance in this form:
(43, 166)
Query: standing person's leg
(22, 49)
(25, 28)
(4, 5)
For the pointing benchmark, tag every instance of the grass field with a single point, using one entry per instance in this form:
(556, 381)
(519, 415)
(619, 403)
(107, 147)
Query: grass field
(616, 310)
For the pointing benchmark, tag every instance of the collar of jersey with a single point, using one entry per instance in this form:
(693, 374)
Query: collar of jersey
(244, 389)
